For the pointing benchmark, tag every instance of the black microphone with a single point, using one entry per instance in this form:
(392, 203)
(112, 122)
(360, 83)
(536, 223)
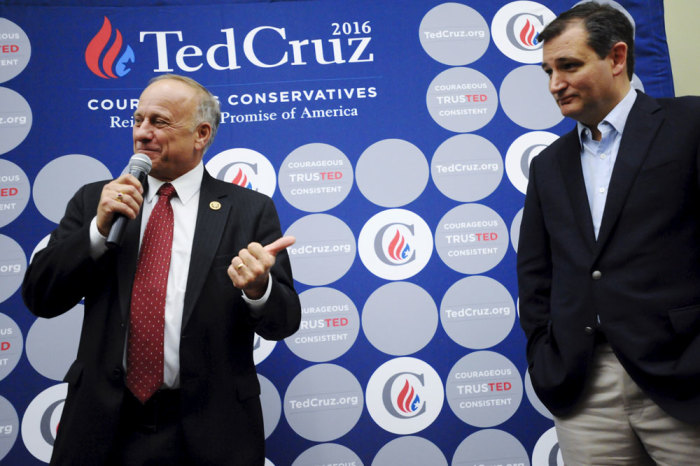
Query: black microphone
(140, 167)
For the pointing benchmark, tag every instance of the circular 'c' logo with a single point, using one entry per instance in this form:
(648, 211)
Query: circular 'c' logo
(515, 28)
(395, 244)
(404, 395)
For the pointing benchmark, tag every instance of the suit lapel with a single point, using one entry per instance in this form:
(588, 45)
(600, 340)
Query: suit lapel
(640, 130)
(570, 162)
(212, 214)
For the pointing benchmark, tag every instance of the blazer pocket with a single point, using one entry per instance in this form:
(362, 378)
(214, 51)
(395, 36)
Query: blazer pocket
(74, 373)
(685, 320)
(661, 166)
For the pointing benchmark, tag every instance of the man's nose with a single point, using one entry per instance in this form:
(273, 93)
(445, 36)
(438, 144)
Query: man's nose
(143, 131)
(556, 83)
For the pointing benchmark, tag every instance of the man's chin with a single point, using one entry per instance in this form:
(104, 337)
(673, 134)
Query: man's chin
(569, 110)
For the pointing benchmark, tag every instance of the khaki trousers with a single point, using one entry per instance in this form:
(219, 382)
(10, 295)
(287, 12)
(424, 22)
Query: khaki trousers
(615, 423)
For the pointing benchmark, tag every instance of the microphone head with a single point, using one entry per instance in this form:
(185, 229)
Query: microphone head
(141, 163)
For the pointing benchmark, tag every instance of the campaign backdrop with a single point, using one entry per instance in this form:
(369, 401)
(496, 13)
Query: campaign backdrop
(394, 138)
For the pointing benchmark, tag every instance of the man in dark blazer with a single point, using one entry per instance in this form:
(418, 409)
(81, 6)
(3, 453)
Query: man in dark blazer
(229, 277)
(609, 255)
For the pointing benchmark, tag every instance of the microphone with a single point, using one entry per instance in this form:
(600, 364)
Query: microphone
(140, 167)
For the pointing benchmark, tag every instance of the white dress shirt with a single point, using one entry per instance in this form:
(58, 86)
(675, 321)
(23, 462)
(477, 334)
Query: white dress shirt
(185, 206)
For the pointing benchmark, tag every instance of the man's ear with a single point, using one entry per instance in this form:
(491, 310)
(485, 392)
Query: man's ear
(202, 135)
(618, 58)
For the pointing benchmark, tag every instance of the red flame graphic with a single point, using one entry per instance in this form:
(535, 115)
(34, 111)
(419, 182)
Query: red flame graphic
(527, 33)
(396, 246)
(240, 179)
(405, 397)
(97, 46)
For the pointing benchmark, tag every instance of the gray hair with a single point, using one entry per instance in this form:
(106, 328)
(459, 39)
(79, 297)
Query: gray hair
(208, 108)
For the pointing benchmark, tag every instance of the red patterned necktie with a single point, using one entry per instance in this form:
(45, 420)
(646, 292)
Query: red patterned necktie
(144, 360)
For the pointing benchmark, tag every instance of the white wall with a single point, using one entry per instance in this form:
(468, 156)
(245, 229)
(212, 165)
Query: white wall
(683, 33)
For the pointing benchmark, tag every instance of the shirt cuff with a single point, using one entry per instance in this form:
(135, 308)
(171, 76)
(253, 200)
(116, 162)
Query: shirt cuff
(257, 304)
(98, 243)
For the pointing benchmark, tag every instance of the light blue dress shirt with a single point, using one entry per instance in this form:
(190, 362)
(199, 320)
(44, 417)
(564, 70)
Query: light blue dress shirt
(598, 157)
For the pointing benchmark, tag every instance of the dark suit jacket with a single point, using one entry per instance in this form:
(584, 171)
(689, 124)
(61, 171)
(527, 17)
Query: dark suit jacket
(222, 418)
(641, 276)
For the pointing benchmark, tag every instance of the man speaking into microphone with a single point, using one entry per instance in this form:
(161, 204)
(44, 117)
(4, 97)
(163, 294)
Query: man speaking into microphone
(164, 372)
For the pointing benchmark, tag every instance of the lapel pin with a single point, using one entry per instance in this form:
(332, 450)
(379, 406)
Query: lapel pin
(214, 205)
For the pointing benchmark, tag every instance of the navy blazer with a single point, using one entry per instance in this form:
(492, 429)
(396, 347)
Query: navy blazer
(640, 278)
(222, 417)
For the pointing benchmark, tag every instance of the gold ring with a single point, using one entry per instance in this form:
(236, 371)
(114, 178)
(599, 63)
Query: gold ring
(238, 267)
(120, 197)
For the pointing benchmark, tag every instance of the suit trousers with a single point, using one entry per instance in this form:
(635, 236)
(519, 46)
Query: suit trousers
(616, 423)
(150, 434)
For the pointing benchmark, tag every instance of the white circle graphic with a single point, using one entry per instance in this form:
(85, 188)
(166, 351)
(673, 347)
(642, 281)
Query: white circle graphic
(74, 171)
(454, 34)
(467, 168)
(323, 402)
(546, 451)
(395, 244)
(13, 264)
(271, 405)
(515, 28)
(515, 230)
(471, 238)
(11, 346)
(15, 116)
(392, 173)
(16, 50)
(329, 325)
(520, 155)
(52, 344)
(14, 192)
(246, 168)
(405, 395)
(484, 389)
(462, 100)
(526, 99)
(39, 246)
(262, 348)
(315, 177)
(477, 312)
(40, 421)
(9, 427)
(324, 251)
(408, 310)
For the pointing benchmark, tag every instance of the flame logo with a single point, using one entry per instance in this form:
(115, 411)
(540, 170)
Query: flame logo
(241, 179)
(527, 34)
(398, 249)
(407, 400)
(103, 62)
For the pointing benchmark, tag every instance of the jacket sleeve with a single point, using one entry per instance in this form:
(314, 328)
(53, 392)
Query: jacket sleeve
(61, 274)
(534, 268)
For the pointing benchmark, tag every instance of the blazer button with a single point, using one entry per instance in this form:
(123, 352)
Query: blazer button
(589, 330)
(596, 275)
(116, 373)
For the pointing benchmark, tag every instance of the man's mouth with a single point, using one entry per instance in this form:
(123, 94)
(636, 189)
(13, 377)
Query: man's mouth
(565, 100)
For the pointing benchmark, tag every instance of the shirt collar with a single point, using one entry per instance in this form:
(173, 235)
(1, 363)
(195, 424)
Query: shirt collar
(186, 185)
(616, 119)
